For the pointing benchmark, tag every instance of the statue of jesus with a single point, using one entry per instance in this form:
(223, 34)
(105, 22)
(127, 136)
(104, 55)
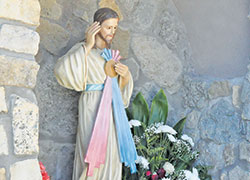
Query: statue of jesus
(82, 69)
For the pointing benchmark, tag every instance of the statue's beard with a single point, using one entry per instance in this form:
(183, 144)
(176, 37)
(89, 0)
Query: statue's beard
(108, 43)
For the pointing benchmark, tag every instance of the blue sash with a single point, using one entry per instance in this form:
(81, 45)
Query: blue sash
(128, 153)
(94, 87)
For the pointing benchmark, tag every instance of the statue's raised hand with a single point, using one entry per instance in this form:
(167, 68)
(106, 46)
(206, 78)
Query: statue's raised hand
(90, 35)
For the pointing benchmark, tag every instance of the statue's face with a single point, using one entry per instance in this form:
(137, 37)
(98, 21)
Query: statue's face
(108, 29)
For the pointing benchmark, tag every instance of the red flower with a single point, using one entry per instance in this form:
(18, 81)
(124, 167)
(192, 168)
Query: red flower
(45, 175)
(42, 168)
(155, 177)
(161, 172)
(148, 173)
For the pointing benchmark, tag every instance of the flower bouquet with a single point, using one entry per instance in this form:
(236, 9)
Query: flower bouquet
(163, 152)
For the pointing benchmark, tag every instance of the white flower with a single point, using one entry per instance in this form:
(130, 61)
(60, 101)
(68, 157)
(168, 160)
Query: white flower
(168, 167)
(171, 138)
(191, 175)
(188, 174)
(165, 179)
(195, 173)
(143, 161)
(134, 123)
(157, 131)
(136, 139)
(152, 129)
(188, 139)
(168, 129)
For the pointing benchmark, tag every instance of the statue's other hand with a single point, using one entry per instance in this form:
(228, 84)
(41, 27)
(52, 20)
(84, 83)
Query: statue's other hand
(121, 69)
(90, 33)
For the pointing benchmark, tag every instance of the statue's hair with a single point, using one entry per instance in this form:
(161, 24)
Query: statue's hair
(103, 14)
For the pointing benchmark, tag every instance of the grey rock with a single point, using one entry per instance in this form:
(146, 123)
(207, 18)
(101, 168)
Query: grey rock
(58, 159)
(194, 134)
(236, 96)
(19, 39)
(76, 27)
(133, 67)
(158, 62)
(17, 72)
(202, 102)
(211, 154)
(2, 174)
(192, 125)
(248, 74)
(229, 154)
(21, 170)
(28, 12)
(121, 42)
(3, 107)
(244, 148)
(219, 89)
(58, 106)
(50, 9)
(148, 90)
(246, 111)
(245, 97)
(220, 123)
(193, 119)
(53, 36)
(245, 93)
(208, 128)
(3, 142)
(25, 126)
(127, 6)
(141, 18)
(249, 13)
(172, 30)
(238, 173)
(248, 131)
(84, 9)
(22, 92)
(224, 176)
(194, 93)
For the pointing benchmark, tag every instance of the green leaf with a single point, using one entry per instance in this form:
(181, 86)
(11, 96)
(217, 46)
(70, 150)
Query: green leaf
(179, 126)
(159, 109)
(140, 110)
(129, 115)
(153, 139)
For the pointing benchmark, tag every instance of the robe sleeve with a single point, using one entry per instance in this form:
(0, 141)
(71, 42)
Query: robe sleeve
(71, 69)
(127, 91)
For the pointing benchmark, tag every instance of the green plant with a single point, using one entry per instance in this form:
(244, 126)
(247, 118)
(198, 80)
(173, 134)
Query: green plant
(163, 152)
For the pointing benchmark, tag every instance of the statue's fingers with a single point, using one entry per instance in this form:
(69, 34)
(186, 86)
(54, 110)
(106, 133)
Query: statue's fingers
(96, 30)
(92, 26)
(118, 67)
(121, 66)
(93, 29)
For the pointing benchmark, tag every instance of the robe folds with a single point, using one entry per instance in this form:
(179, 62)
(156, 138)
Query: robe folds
(74, 71)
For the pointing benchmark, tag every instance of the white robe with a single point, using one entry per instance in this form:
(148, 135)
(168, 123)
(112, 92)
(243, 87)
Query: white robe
(74, 71)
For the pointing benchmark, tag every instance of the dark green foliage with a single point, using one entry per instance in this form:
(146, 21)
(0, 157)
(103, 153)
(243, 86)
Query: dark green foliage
(159, 109)
(179, 126)
(203, 172)
(140, 110)
(156, 147)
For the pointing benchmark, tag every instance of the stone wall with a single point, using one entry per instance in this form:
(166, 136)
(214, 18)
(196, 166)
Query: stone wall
(19, 111)
(217, 36)
(155, 44)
